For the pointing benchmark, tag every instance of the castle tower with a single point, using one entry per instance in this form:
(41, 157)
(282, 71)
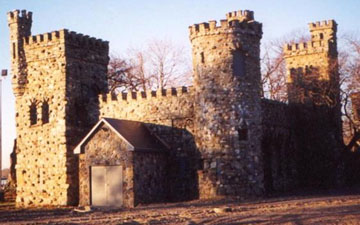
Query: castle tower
(20, 27)
(312, 75)
(57, 77)
(227, 83)
(314, 98)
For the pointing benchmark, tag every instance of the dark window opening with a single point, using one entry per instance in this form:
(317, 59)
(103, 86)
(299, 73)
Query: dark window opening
(292, 71)
(14, 50)
(321, 36)
(45, 112)
(243, 134)
(239, 63)
(201, 164)
(33, 114)
(202, 57)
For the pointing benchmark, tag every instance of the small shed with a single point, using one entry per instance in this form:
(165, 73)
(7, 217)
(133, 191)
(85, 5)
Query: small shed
(121, 163)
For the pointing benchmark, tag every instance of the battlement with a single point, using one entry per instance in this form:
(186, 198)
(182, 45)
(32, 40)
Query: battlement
(306, 47)
(142, 95)
(237, 21)
(326, 24)
(68, 36)
(15, 15)
(319, 39)
(240, 15)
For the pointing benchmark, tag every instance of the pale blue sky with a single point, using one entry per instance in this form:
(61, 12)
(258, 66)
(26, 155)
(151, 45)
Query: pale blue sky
(128, 23)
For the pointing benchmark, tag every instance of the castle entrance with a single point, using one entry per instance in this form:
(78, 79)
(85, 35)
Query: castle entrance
(106, 186)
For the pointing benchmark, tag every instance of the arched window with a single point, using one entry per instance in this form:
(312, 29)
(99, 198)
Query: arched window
(45, 112)
(33, 114)
(292, 71)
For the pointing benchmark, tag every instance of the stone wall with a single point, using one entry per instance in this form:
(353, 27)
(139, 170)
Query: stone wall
(169, 114)
(150, 177)
(163, 107)
(227, 105)
(279, 147)
(314, 104)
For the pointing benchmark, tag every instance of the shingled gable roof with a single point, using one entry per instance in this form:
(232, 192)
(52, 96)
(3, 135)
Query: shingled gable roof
(136, 134)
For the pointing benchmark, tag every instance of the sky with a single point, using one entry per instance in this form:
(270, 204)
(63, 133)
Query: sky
(131, 23)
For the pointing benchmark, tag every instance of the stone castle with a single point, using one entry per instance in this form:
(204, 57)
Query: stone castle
(219, 137)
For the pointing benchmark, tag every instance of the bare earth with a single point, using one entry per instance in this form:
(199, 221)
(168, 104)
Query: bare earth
(311, 209)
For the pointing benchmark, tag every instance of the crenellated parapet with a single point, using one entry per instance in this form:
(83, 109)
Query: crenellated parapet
(326, 24)
(164, 107)
(323, 37)
(146, 95)
(241, 15)
(70, 37)
(304, 48)
(236, 22)
(17, 15)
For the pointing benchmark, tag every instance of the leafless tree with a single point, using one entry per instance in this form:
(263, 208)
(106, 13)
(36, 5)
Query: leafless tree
(121, 75)
(158, 65)
(168, 64)
(349, 67)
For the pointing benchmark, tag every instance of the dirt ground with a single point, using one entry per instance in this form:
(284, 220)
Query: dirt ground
(330, 208)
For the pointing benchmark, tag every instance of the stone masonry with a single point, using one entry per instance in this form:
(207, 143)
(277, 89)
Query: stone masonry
(53, 74)
(227, 104)
(224, 139)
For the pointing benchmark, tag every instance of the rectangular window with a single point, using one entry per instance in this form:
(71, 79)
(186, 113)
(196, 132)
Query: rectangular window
(202, 57)
(243, 134)
(239, 63)
(14, 50)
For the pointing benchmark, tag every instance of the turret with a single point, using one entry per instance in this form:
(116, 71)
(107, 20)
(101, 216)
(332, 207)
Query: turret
(227, 104)
(20, 27)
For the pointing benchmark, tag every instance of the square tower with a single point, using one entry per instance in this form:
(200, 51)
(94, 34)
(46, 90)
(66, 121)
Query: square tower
(57, 77)
(312, 69)
(314, 101)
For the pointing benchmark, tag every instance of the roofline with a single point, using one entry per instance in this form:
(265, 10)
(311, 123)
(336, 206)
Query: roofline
(77, 149)
(157, 136)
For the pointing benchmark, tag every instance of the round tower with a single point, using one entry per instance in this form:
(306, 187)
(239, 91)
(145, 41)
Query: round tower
(227, 81)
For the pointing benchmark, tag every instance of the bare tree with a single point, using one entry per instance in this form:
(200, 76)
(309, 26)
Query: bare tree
(349, 67)
(138, 62)
(121, 76)
(168, 64)
(158, 65)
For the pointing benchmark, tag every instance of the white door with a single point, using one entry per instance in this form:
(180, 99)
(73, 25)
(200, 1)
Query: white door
(106, 186)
